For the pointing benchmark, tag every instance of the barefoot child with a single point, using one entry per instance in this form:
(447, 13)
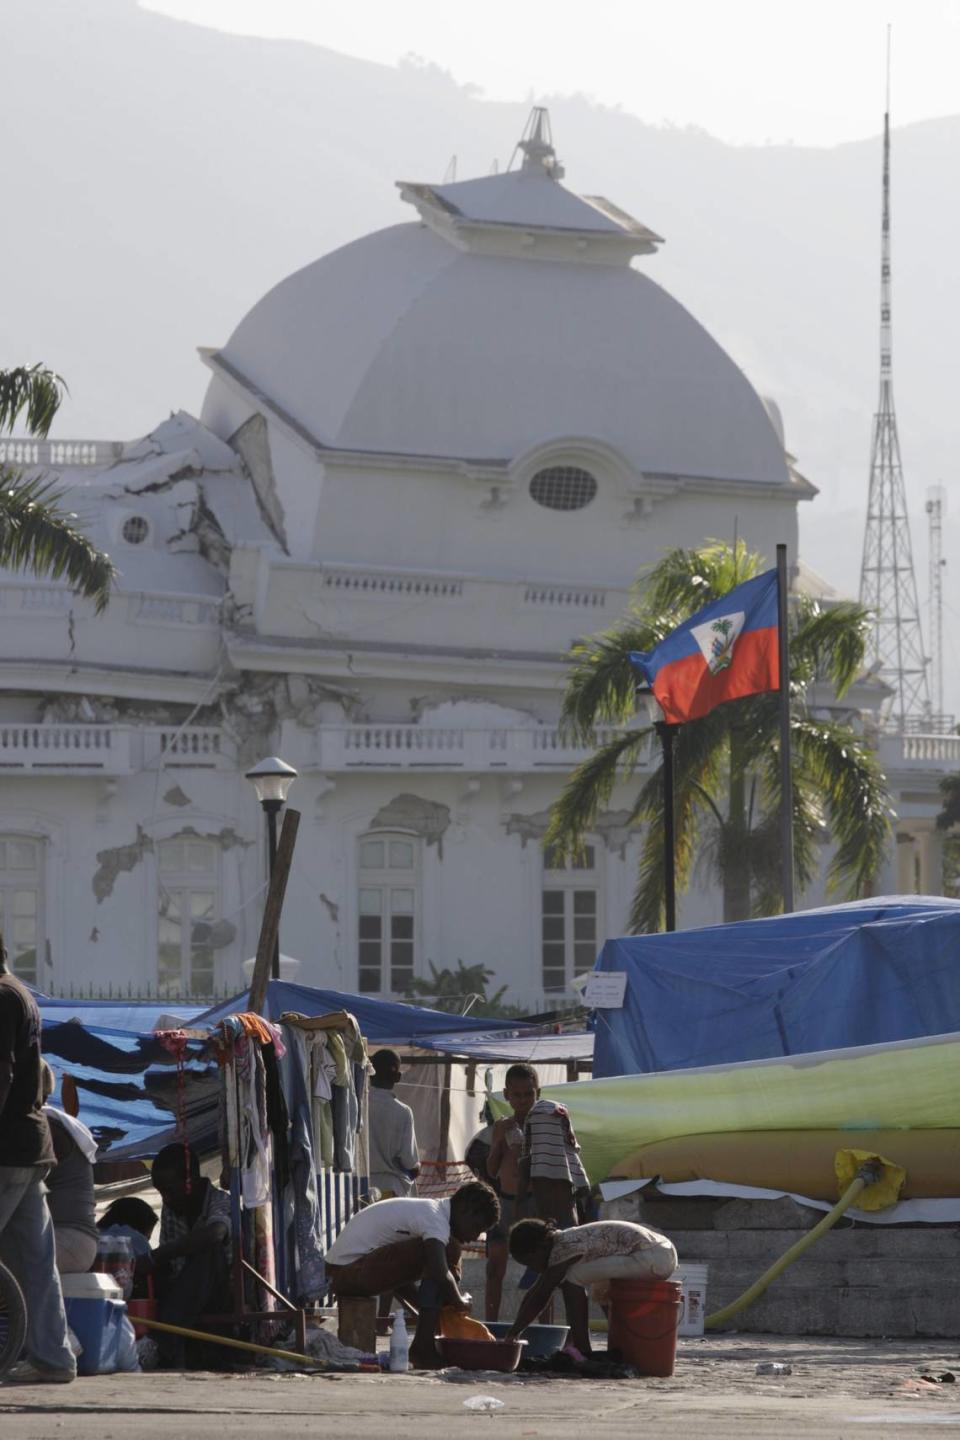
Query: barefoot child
(585, 1255)
(520, 1090)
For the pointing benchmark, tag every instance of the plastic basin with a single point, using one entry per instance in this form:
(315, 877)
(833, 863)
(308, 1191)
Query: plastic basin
(542, 1340)
(481, 1354)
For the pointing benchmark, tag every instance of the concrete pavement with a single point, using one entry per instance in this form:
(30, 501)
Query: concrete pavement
(839, 1388)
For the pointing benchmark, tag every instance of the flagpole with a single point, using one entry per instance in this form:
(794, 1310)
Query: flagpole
(786, 777)
(666, 732)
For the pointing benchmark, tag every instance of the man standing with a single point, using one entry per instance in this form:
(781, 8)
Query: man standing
(27, 1244)
(394, 1157)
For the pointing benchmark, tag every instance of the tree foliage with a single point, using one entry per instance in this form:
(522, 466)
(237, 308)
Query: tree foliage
(726, 765)
(462, 990)
(36, 533)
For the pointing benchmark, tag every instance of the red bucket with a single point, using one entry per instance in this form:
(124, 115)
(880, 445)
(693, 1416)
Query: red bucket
(644, 1320)
(145, 1308)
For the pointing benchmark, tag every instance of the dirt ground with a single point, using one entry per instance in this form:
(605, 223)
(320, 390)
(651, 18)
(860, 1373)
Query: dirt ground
(838, 1388)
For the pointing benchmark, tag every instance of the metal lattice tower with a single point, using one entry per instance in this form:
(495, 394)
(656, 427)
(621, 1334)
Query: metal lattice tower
(936, 497)
(888, 586)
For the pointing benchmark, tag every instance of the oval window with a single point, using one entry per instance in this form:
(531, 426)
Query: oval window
(135, 530)
(563, 487)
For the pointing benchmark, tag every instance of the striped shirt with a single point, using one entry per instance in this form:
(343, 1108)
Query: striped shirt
(551, 1146)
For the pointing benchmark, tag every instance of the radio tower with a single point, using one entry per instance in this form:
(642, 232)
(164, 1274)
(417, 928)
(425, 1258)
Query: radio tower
(888, 586)
(936, 496)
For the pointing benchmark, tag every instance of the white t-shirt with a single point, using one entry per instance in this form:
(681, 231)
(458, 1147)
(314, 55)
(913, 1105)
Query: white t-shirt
(388, 1221)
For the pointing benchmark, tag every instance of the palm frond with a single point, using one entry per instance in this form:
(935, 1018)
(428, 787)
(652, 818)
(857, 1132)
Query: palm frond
(950, 794)
(855, 797)
(683, 581)
(809, 832)
(829, 643)
(590, 787)
(699, 753)
(38, 535)
(32, 391)
(602, 683)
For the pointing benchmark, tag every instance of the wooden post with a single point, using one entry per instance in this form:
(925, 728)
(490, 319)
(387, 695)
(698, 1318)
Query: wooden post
(270, 926)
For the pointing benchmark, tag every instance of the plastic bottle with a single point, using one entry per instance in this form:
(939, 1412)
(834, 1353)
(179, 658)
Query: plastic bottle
(773, 1367)
(115, 1257)
(399, 1344)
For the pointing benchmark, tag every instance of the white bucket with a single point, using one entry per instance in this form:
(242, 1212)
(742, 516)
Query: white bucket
(693, 1278)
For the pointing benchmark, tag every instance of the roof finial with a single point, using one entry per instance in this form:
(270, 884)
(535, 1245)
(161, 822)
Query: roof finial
(536, 143)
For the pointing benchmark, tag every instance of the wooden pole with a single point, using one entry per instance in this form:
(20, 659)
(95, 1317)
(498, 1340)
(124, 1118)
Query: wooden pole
(270, 927)
(786, 775)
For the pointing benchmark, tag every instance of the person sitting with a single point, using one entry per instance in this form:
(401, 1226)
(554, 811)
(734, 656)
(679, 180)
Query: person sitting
(70, 1192)
(591, 1254)
(131, 1217)
(411, 1246)
(191, 1265)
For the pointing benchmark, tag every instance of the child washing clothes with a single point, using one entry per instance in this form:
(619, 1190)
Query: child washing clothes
(590, 1255)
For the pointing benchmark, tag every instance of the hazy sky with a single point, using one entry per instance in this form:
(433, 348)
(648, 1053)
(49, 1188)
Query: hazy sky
(745, 70)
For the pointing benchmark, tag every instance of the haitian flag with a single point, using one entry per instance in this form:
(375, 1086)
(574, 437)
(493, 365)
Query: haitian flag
(728, 649)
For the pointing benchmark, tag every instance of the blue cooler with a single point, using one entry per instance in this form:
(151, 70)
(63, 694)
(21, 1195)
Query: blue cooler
(97, 1316)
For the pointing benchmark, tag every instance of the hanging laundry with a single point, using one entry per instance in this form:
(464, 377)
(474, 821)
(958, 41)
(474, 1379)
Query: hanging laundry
(305, 1273)
(324, 1069)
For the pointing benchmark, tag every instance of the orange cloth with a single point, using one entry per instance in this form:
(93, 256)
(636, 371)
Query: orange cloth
(454, 1325)
(255, 1024)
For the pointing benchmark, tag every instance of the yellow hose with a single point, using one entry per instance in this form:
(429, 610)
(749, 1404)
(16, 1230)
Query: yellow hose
(223, 1340)
(870, 1172)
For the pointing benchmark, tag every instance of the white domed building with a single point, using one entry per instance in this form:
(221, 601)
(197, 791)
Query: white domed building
(426, 464)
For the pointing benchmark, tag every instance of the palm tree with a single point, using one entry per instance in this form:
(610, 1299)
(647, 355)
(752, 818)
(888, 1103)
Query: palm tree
(726, 765)
(35, 532)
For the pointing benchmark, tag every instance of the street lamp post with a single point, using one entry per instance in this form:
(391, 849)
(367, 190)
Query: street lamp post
(271, 780)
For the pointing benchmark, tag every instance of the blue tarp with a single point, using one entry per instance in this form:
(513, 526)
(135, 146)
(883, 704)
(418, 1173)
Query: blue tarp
(860, 974)
(382, 1022)
(127, 1082)
(137, 1015)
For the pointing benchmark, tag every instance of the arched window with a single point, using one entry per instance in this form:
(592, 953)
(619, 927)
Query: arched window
(21, 911)
(388, 898)
(570, 916)
(188, 904)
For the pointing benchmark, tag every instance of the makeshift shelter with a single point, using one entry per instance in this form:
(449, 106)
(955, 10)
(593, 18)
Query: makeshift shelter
(778, 1123)
(866, 973)
(128, 1084)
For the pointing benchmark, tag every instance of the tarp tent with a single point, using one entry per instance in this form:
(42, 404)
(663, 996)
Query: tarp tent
(128, 1084)
(847, 975)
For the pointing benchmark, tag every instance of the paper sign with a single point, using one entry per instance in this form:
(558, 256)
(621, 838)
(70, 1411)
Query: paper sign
(605, 989)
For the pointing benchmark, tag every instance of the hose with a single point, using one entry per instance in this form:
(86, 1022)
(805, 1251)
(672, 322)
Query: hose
(869, 1173)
